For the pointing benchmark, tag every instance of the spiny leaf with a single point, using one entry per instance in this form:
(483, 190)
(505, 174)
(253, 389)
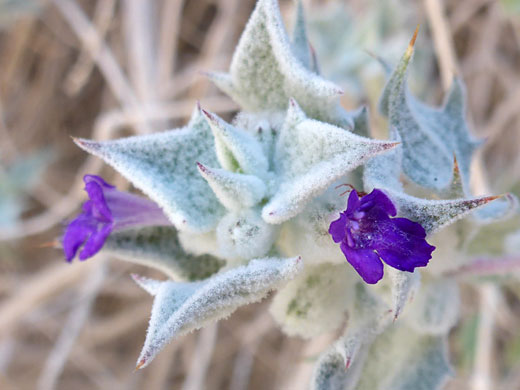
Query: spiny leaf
(159, 247)
(339, 368)
(430, 135)
(300, 43)
(309, 157)
(237, 151)
(435, 308)
(180, 308)
(163, 166)
(436, 214)
(316, 301)
(401, 359)
(245, 235)
(403, 286)
(234, 190)
(265, 73)
(384, 171)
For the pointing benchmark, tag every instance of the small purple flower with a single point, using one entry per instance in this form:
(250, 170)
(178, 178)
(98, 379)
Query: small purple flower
(367, 235)
(106, 211)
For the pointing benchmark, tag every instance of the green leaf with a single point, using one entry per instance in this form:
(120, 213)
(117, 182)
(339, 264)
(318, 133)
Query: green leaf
(309, 157)
(265, 72)
(164, 167)
(180, 308)
(159, 247)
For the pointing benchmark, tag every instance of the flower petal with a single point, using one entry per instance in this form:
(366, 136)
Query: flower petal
(95, 242)
(353, 202)
(410, 227)
(379, 199)
(98, 204)
(366, 262)
(75, 235)
(337, 228)
(405, 261)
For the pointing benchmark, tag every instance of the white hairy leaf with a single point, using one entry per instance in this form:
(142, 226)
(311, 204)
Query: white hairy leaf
(435, 308)
(265, 72)
(180, 308)
(234, 190)
(309, 157)
(164, 167)
(159, 247)
(237, 151)
(316, 301)
(401, 359)
(245, 235)
(431, 136)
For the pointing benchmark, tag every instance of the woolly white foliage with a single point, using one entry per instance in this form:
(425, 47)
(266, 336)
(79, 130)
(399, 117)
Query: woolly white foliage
(401, 359)
(237, 150)
(265, 72)
(163, 166)
(180, 308)
(317, 301)
(308, 233)
(159, 247)
(436, 214)
(309, 157)
(430, 136)
(234, 190)
(403, 286)
(435, 308)
(300, 44)
(245, 235)
(266, 184)
(339, 367)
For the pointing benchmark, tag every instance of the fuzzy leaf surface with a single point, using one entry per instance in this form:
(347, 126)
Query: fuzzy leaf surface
(401, 359)
(431, 136)
(311, 155)
(180, 308)
(234, 190)
(159, 247)
(163, 166)
(316, 301)
(265, 72)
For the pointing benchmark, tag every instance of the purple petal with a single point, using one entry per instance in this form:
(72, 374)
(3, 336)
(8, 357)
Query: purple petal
(98, 206)
(404, 261)
(353, 202)
(131, 210)
(97, 179)
(75, 235)
(405, 247)
(337, 228)
(410, 227)
(95, 242)
(366, 262)
(378, 198)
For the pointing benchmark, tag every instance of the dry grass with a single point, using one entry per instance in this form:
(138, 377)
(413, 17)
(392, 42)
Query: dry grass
(102, 69)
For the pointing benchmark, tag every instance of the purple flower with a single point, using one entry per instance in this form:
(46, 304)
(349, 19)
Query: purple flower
(367, 235)
(106, 211)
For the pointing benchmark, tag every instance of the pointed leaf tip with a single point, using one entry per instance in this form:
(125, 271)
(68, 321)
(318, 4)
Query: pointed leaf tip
(411, 45)
(141, 364)
(151, 286)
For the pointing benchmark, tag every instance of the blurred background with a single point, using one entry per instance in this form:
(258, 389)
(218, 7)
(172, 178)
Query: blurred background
(104, 69)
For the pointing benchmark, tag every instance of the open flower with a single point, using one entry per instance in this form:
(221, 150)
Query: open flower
(106, 211)
(367, 235)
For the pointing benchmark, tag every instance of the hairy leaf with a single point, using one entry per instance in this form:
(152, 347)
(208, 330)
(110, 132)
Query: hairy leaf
(159, 247)
(309, 157)
(163, 166)
(265, 72)
(180, 308)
